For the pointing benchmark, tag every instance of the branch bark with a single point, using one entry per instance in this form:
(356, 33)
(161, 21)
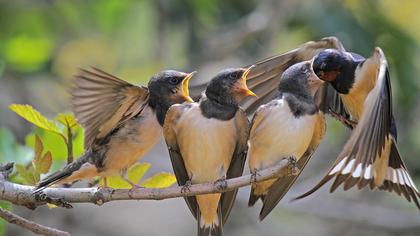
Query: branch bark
(23, 195)
(30, 225)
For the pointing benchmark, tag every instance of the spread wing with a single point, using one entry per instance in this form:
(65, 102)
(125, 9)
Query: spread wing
(283, 184)
(370, 156)
(180, 171)
(264, 78)
(237, 164)
(102, 102)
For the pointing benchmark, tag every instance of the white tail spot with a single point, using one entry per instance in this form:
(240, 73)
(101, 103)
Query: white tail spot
(358, 171)
(368, 172)
(338, 166)
(348, 168)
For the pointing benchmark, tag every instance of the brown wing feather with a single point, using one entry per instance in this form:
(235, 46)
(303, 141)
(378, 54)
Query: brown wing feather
(237, 164)
(272, 68)
(180, 171)
(370, 156)
(282, 185)
(102, 102)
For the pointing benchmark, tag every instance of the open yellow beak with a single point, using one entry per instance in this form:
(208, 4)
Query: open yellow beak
(245, 88)
(185, 89)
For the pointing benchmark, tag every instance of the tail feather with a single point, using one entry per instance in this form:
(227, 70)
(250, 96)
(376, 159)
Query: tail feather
(253, 198)
(62, 174)
(396, 177)
(213, 229)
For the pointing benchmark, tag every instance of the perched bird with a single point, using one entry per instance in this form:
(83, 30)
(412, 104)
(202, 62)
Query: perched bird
(370, 156)
(207, 142)
(265, 76)
(288, 126)
(122, 121)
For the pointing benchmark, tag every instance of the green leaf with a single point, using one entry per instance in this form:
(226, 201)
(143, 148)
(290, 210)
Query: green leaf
(160, 180)
(78, 139)
(67, 120)
(116, 182)
(51, 142)
(137, 171)
(29, 175)
(30, 114)
(51, 206)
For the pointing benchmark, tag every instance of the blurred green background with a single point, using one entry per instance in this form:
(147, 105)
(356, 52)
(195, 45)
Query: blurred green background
(43, 43)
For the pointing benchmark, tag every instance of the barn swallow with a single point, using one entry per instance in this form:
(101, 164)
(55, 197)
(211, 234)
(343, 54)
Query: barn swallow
(207, 142)
(265, 76)
(122, 121)
(370, 156)
(288, 126)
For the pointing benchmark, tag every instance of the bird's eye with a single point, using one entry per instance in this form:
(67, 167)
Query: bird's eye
(173, 81)
(233, 75)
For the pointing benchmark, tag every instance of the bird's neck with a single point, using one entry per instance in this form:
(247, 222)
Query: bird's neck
(213, 109)
(299, 104)
(160, 106)
(345, 80)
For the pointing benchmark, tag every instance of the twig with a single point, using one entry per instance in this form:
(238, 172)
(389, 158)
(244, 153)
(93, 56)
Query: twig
(30, 225)
(23, 195)
(69, 144)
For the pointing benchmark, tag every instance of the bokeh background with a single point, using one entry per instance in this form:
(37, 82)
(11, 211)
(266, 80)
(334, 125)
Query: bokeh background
(43, 43)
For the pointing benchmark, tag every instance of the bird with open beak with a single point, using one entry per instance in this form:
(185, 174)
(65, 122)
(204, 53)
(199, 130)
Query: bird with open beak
(207, 142)
(288, 126)
(370, 156)
(122, 121)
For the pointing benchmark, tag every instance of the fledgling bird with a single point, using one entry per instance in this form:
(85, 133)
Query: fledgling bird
(264, 78)
(289, 125)
(370, 156)
(207, 142)
(122, 121)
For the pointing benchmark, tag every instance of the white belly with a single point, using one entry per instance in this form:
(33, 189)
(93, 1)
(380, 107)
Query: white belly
(279, 135)
(206, 145)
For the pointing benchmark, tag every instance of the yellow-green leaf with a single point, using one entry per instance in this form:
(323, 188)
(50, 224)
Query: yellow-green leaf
(43, 165)
(51, 206)
(67, 120)
(116, 182)
(32, 115)
(137, 171)
(160, 180)
(28, 175)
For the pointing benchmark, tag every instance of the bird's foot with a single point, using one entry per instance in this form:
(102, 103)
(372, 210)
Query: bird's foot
(221, 184)
(42, 197)
(186, 187)
(254, 175)
(292, 167)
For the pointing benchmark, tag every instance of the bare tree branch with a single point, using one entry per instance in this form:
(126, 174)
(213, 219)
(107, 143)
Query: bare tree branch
(23, 195)
(30, 225)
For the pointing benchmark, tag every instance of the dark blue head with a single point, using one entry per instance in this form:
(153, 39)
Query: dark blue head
(228, 87)
(337, 68)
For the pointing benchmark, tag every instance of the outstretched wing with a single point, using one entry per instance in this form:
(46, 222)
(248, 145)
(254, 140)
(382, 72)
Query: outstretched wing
(264, 78)
(180, 171)
(370, 156)
(237, 164)
(283, 184)
(102, 102)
